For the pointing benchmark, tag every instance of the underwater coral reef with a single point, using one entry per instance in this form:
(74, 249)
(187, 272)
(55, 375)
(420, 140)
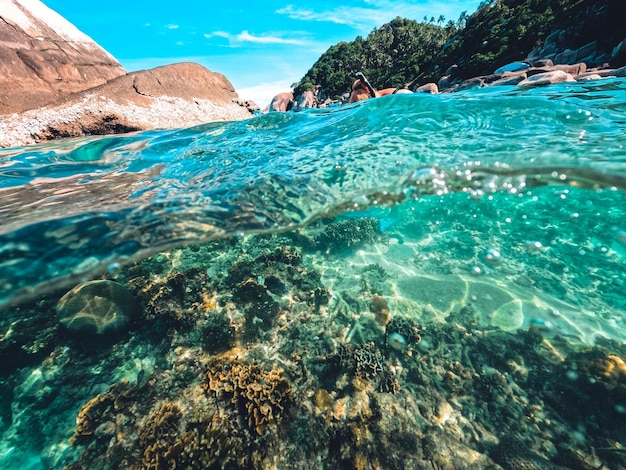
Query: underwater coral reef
(243, 355)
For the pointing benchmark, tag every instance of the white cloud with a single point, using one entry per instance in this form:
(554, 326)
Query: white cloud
(219, 34)
(245, 36)
(378, 12)
(171, 26)
(352, 16)
(263, 93)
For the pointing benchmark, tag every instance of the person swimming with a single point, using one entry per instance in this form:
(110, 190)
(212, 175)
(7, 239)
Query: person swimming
(362, 89)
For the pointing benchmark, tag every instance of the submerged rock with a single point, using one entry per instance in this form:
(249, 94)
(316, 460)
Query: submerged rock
(96, 307)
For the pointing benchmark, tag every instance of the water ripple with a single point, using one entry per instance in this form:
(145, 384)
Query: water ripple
(73, 207)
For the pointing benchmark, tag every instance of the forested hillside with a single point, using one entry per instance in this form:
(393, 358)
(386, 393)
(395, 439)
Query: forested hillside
(499, 32)
(393, 54)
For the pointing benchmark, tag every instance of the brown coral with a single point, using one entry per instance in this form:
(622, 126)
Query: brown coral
(100, 409)
(208, 444)
(204, 443)
(380, 309)
(158, 436)
(262, 397)
(89, 415)
(599, 366)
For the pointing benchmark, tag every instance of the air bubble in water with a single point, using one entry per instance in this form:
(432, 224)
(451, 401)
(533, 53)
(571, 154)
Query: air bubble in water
(492, 256)
(475, 270)
(534, 246)
(114, 268)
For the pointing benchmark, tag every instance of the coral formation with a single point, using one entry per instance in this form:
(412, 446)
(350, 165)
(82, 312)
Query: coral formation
(282, 254)
(259, 306)
(258, 286)
(380, 309)
(204, 444)
(348, 234)
(263, 398)
(218, 334)
(208, 443)
(96, 307)
(27, 335)
(158, 438)
(404, 326)
(598, 368)
(257, 367)
(595, 380)
(376, 280)
(368, 361)
(174, 298)
(365, 364)
(100, 410)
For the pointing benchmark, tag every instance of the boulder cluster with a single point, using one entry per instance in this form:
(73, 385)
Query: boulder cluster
(552, 62)
(57, 82)
(538, 73)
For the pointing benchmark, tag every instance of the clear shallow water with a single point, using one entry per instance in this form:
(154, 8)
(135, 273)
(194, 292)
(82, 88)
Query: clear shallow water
(510, 201)
(73, 208)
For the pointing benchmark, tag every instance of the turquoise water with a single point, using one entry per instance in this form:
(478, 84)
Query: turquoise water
(510, 200)
(74, 207)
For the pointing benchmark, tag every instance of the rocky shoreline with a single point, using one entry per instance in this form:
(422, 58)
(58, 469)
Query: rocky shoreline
(552, 62)
(146, 100)
(96, 115)
(526, 74)
(57, 82)
(539, 73)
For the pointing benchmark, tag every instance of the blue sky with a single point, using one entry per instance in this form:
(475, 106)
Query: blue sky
(262, 47)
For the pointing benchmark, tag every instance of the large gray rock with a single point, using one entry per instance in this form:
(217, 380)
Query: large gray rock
(44, 58)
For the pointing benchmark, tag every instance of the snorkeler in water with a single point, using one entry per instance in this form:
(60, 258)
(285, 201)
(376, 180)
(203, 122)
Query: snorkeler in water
(362, 90)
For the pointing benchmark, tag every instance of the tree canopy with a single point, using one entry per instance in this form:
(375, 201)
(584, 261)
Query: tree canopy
(392, 55)
(499, 32)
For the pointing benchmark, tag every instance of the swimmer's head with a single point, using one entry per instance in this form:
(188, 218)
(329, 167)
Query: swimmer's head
(359, 92)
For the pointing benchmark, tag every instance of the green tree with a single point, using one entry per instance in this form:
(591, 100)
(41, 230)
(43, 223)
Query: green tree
(499, 32)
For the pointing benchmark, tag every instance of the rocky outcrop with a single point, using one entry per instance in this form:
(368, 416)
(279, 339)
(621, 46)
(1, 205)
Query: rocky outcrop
(44, 58)
(177, 95)
(525, 74)
(541, 73)
(57, 82)
(282, 102)
(594, 36)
